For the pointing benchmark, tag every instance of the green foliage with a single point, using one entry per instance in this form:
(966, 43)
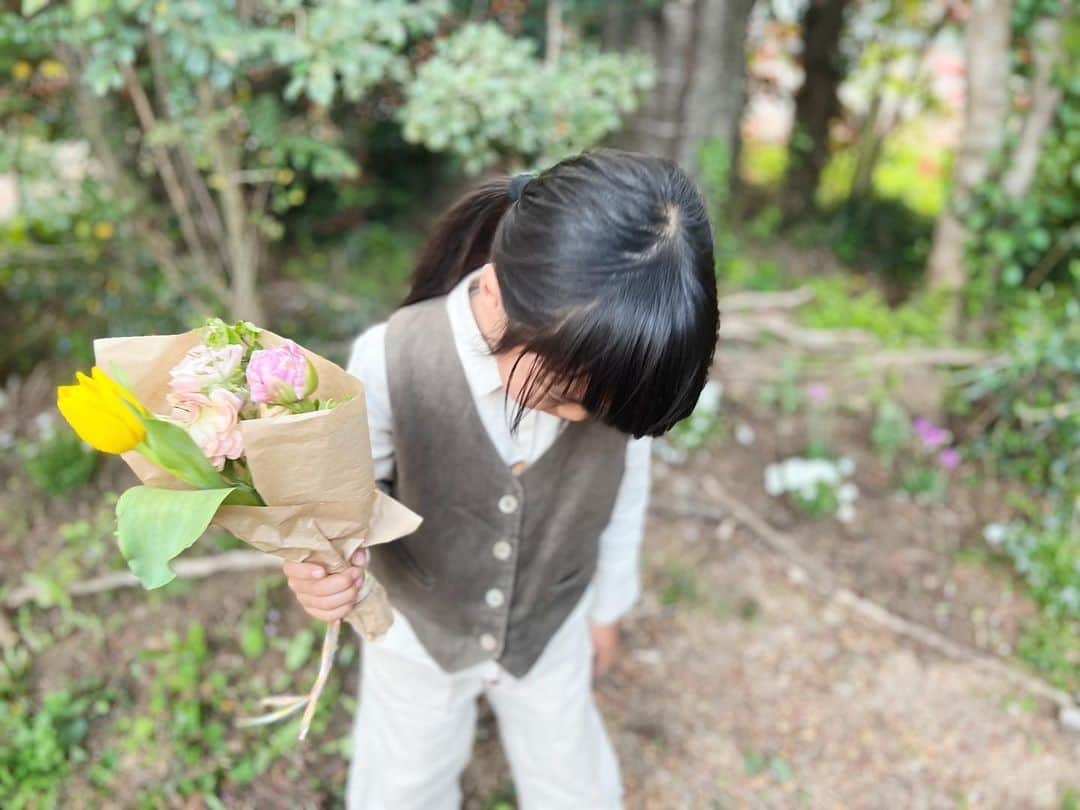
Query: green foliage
(785, 396)
(1030, 399)
(484, 96)
(1052, 646)
(763, 164)
(87, 543)
(185, 735)
(844, 302)
(1045, 549)
(40, 741)
(880, 233)
(1018, 242)
(186, 136)
(703, 424)
(154, 526)
(910, 178)
(57, 461)
(891, 432)
(681, 585)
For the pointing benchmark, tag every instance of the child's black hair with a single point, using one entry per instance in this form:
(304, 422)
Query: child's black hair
(605, 268)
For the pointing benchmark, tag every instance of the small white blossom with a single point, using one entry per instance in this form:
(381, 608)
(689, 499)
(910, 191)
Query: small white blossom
(847, 493)
(846, 466)
(774, 480)
(744, 434)
(994, 533)
(845, 513)
(709, 399)
(45, 422)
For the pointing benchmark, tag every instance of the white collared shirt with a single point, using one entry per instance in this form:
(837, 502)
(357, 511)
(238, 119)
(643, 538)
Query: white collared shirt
(616, 586)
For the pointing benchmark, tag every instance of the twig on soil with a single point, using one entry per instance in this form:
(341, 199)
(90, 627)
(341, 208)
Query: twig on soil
(750, 327)
(810, 574)
(193, 568)
(757, 301)
(930, 357)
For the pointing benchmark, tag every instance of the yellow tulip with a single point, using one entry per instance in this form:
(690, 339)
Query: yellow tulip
(102, 412)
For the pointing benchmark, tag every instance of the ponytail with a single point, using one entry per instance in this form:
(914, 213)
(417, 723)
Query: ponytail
(461, 240)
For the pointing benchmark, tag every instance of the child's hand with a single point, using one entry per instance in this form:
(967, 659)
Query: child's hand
(326, 596)
(605, 641)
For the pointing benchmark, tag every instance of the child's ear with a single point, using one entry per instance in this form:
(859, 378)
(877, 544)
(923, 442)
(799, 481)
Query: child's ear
(489, 289)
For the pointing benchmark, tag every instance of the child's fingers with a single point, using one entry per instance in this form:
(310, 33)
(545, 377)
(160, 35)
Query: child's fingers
(335, 583)
(330, 601)
(330, 615)
(303, 570)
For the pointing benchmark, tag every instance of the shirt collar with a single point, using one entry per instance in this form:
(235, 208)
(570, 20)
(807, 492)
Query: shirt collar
(481, 369)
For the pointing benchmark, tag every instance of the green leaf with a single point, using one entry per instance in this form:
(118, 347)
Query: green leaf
(154, 525)
(31, 7)
(171, 447)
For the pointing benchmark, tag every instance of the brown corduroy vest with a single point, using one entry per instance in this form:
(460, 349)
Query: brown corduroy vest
(500, 560)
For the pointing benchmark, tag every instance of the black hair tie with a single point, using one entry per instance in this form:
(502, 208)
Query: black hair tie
(517, 185)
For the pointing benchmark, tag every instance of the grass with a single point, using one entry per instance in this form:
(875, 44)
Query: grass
(848, 302)
(1052, 646)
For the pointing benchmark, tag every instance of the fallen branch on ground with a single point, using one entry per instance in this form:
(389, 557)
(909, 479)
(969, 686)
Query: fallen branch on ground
(900, 358)
(809, 573)
(750, 327)
(193, 568)
(758, 301)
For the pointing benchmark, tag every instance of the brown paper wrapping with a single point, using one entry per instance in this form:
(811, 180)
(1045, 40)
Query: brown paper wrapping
(313, 470)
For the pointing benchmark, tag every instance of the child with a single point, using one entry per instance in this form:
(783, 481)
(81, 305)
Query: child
(551, 317)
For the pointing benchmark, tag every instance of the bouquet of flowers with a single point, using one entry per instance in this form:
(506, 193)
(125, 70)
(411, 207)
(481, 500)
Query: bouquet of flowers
(236, 426)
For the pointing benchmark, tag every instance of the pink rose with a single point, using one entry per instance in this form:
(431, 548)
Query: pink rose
(203, 367)
(280, 375)
(211, 420)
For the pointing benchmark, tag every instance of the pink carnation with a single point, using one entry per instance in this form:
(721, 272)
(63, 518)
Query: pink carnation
(212, 421)
(280, 375)
(203, 367)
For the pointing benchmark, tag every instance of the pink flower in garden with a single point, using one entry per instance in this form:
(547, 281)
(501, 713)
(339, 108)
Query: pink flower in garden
(818, 392)
(931, 436)
(203, 368)
(212, 421)
(949, 458)
(280, 375)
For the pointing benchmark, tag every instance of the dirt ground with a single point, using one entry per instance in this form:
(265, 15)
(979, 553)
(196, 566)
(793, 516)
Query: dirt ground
(738, 687)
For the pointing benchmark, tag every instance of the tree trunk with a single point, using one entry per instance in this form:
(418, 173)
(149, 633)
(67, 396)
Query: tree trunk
(698, 47)
(986, 48)
(1045, 96)
(816, 103)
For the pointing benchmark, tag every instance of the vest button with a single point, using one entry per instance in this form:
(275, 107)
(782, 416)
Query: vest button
(488, 642)
(494, 598)
(502, 550)
(508, 504)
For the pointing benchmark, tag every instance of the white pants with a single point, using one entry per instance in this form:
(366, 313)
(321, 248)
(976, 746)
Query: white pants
(415, 725)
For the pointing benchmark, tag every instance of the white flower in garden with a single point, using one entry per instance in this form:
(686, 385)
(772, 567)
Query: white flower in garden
(744, 434)
(845, 513)
(994, 533)
(1070, 597)
(668, 452)
(45, 422)
(847, 493)
(774, 480)
(846, 466)
(709, 399)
